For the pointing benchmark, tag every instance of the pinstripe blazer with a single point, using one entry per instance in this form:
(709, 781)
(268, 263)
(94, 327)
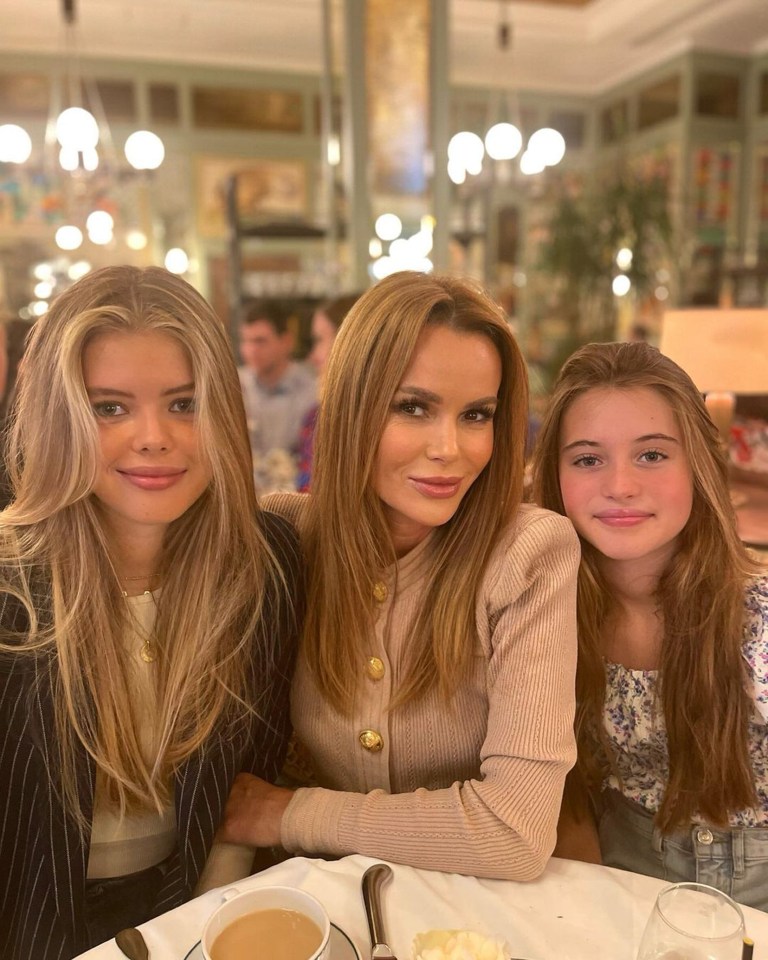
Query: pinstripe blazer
(43, 857)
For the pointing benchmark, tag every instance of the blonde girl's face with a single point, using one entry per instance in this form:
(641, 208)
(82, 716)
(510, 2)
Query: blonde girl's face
(439, 435)
(625, 478)
(142, 393)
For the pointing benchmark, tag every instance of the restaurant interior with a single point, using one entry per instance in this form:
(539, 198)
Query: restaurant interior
(303, 148)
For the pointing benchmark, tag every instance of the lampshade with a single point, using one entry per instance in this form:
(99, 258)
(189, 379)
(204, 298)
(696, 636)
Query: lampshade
(721, 350)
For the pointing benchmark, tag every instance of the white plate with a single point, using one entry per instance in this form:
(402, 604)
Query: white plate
(342, 947)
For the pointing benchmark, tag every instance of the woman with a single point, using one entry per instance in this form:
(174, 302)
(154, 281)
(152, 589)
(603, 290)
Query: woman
(435, 688)
(672, 687)
(146, 612)
(326, 321)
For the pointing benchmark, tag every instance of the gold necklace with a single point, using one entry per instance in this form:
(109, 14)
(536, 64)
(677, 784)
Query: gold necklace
(145, 576)
(147, 651)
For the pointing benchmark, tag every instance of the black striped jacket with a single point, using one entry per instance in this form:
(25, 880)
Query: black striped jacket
(43, 858)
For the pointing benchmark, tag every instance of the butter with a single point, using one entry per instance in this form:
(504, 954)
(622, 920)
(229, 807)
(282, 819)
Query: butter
(458, 945)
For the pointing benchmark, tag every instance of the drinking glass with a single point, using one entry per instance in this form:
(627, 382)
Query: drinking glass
(691, 921)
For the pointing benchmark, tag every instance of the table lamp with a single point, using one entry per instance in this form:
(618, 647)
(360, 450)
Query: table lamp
(724, 352)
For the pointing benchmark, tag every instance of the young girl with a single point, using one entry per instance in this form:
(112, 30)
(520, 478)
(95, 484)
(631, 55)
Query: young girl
(435, 690)
(146, 614)
(672, 686)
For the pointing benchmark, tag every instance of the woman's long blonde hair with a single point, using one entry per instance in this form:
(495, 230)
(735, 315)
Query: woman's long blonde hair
(348, 541)
(216, 566)
(700, 599)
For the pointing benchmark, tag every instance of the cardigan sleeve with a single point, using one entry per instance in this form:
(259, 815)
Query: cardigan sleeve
(503, 823)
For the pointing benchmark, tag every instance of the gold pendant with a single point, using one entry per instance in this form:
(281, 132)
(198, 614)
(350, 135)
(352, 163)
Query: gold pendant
(146, 653)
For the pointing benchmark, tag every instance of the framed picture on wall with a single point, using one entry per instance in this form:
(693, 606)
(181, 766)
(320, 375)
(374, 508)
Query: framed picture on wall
(266, 190)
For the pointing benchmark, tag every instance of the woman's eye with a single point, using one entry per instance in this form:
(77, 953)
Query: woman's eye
(653, 456)
(108, 408)
(586, 460)
(410, 408)
(479, 415)
(183, 405)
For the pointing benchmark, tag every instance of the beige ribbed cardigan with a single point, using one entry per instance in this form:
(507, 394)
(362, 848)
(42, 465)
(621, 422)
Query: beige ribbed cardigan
(472, 786)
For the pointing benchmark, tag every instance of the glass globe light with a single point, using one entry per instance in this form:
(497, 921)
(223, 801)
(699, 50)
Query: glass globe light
(457, 171)
(503, 141)
(99, 222)
(621, 285)
(90, 159)
(15, 144)
(624, 258)
(136, 239)
(78, 269)
(77, 128)
(466, 148)
(68, 237)
(176, 260)
(144, 150)
(382, 267)
(69, 159)
(531, 163)
(388, 226)
(547, 144)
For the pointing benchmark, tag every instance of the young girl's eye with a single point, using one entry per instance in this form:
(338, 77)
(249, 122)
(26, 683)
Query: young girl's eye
(586, 460)
(653, 456)
(108, 408)
(183, 405)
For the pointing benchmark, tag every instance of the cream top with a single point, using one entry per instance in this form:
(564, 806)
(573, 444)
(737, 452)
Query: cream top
(126, 844)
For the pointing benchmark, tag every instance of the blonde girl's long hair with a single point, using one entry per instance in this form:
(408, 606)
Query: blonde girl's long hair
(700, 599)
(348, 542)
(216, 566)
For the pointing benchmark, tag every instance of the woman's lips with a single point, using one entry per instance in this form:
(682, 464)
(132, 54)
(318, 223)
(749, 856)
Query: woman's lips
(439, 488)
(622, 518)
(153, 478)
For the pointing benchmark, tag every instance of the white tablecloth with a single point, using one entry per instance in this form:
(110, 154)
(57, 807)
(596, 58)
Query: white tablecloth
(575, 911)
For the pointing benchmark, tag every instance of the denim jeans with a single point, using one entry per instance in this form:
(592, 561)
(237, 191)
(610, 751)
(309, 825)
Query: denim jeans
(734, 861)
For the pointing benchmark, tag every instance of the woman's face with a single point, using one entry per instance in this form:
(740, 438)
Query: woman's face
(439, 435)
(142, 393)
(624, 476)
(323, 335)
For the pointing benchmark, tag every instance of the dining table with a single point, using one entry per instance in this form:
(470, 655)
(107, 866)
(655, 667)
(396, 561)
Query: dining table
(573, 911)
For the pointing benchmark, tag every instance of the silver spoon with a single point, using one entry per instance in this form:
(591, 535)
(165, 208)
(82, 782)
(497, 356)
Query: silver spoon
(132, 943)
(373, 878)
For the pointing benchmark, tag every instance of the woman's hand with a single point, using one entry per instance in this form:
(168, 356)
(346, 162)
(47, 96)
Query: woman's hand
(254, 812)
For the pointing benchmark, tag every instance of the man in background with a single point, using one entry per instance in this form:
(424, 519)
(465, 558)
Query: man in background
(277, 391)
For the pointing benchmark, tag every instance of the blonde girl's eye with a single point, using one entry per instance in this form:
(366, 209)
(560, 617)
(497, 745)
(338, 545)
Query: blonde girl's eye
(586, 460)
(183, 405)
(653, 456)
(108, 408)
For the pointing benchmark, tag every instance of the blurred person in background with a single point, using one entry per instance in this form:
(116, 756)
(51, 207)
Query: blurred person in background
(326, 321)
(277, 391)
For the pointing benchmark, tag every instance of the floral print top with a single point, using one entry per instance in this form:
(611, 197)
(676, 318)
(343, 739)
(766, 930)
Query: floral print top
(635, 723)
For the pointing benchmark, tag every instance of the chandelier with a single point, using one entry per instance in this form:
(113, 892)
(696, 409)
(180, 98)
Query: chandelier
(504, 140)
(80, 139)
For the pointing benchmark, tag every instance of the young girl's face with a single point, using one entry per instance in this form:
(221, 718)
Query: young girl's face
(142, 391)
(624, 475)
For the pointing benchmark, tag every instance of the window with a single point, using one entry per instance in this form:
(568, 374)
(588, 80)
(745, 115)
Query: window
(718, 95)
(658, 103)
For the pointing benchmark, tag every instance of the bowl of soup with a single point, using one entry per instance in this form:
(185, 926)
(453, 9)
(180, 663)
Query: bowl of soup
(279, 923)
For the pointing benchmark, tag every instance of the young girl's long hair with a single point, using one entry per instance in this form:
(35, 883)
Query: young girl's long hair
(216, 565)
(700, 600)
(348, 541)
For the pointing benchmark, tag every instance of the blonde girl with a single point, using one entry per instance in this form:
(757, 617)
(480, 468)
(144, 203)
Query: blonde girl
(147, 615)
(672, 685)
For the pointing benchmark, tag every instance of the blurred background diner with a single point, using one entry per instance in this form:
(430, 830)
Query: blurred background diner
(595, 163)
